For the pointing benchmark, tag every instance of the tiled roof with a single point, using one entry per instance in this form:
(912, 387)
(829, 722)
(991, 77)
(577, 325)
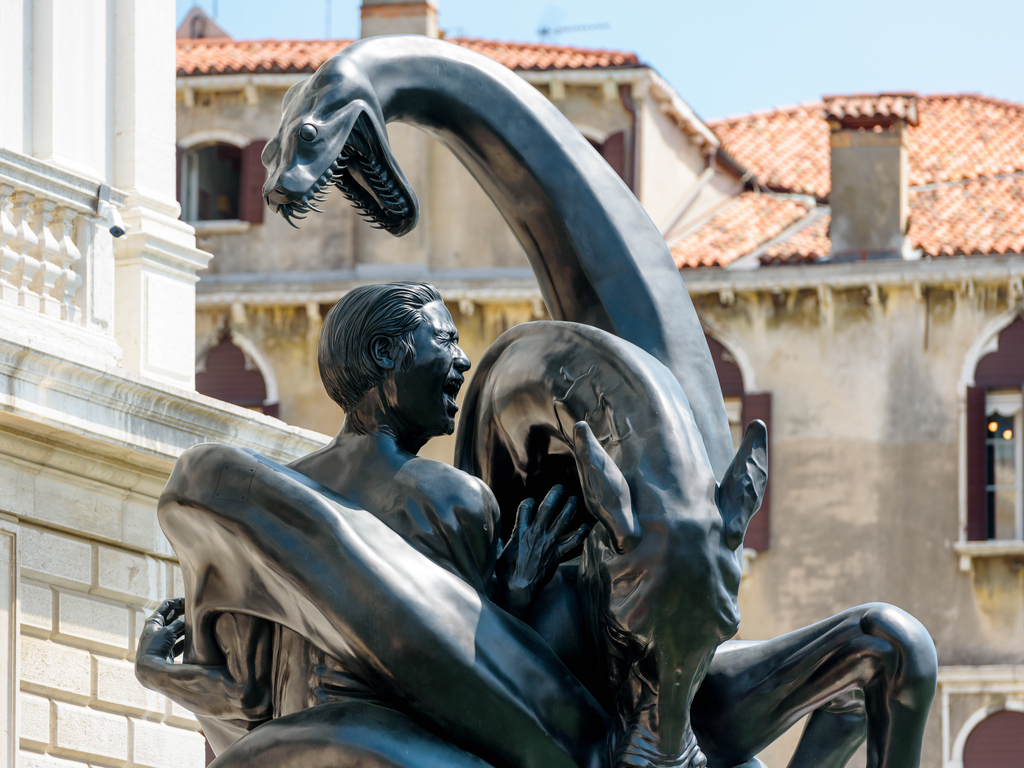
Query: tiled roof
(221, 56)
(958, 137)
(749, 221)
(974, 217)
(218, 56)
(807, 245)
(536, 56)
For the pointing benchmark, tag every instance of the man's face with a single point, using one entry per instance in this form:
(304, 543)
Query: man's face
(424, 393)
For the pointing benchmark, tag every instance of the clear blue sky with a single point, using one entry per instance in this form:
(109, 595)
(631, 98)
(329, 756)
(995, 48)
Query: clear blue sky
(728, 56)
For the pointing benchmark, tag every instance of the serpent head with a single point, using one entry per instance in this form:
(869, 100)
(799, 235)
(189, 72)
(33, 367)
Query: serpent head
(332, 134)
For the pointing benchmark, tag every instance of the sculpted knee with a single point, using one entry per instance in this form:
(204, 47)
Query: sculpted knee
(916, 661)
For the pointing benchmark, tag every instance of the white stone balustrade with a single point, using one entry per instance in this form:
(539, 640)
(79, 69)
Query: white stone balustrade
(56, 259)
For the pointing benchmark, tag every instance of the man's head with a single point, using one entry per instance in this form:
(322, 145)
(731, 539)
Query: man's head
(401, 336)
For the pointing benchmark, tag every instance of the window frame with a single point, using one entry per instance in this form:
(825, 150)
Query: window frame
(1008, 403)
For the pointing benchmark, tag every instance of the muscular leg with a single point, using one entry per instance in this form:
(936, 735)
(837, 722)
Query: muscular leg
(260, 540)
(832, 734)
(344, 735)
(751, 695)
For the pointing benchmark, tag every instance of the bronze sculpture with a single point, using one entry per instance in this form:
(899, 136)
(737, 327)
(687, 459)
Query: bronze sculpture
(306, 621)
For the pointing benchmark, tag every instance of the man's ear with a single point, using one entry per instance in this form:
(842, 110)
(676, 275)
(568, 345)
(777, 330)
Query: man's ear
(383, 351)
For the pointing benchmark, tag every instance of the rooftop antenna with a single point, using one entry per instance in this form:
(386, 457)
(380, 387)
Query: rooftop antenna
(548, 32)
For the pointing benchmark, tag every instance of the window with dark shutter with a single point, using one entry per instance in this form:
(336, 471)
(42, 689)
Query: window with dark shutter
(995, 441)
(613, 150)
(250, 193)
(977, 514)
(996, 742)
(209, 182)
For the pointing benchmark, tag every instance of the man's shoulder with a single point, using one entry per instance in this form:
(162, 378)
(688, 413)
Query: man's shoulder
(443, 484)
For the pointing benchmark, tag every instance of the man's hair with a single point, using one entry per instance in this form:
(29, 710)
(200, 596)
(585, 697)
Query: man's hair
(345, 351)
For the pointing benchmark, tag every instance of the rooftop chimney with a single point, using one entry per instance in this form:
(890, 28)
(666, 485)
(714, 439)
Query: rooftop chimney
(869, 175)
(394, 17)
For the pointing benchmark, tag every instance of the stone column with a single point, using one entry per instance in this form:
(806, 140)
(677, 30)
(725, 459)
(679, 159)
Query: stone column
(9, 648)
(156, 261)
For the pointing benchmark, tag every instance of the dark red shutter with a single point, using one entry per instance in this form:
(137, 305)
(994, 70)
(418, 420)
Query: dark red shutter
(226, 377)
(614, 151)
(250, 184)
(758, 405)
(977, 506)
(996, 742)
(177, 177)
(210, 755)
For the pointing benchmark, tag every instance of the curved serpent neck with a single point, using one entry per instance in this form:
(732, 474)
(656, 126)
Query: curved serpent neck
(596, 253)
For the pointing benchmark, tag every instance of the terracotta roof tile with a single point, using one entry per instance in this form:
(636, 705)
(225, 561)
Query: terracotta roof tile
(786, 149)
(809, 244)
(971, 218)
(750, 220)
(858, 110)
(215, 56)
(537, 56)
(975, 217)
(958, 137)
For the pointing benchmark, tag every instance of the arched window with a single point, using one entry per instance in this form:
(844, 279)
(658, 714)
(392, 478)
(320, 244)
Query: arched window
(743, 407)
(220, 181)
(996, 742)
(227, 373)
(995, 445)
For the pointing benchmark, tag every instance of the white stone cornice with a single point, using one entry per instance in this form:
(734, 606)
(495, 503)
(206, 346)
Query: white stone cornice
(887, 273)
(129, 417)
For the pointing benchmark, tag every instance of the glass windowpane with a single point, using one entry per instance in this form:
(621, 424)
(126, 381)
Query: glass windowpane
(1004, 463)
(1004, 513)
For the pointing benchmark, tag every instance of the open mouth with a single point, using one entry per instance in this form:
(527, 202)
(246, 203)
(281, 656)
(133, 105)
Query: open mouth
(361, 173)
(451, 391)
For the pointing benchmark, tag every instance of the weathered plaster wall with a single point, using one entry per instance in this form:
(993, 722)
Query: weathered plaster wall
(864, 468)
(865, 465)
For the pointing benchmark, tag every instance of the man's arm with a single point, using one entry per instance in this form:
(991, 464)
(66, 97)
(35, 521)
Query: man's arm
(206, 691)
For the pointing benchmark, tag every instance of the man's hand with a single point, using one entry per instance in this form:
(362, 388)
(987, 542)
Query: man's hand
(162, 635)
(538, 544)
(205, 690)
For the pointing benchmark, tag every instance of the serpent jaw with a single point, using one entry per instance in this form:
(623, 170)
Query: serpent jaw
(362, 174)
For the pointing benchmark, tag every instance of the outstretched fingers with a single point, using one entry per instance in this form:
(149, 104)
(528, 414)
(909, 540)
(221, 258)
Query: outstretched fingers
(561, 523)
(524, 516)
(574, 541)
(548, 506)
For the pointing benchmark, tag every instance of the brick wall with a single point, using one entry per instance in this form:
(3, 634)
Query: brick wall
(82, 607)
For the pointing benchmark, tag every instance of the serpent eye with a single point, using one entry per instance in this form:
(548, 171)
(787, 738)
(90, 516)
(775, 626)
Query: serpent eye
(308, 132)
